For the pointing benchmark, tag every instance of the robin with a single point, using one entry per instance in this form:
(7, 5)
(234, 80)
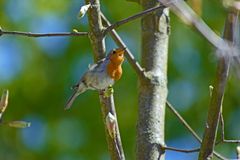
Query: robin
(100, 75)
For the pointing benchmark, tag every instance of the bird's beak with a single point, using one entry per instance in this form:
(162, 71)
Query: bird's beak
(122, 50)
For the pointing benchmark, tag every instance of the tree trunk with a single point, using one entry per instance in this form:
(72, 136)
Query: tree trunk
(153, 91)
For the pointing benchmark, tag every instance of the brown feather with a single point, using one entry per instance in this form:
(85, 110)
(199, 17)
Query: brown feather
(115, 72)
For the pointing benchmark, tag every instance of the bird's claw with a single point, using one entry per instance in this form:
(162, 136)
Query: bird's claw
(108, 92)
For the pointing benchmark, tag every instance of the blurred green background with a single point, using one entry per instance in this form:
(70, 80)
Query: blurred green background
(40, 71)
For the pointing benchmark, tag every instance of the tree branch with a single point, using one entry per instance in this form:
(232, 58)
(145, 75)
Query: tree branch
(223, 140)
(36, 35)
(181, 9)
(131, 18)
(187, 126)
(107, 103)
(217, 97)
(135, 65)
(182, 120)
(181, 150)
(231, 141)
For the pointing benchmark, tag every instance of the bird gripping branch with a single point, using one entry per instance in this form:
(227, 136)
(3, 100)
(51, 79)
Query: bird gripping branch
(100, 75)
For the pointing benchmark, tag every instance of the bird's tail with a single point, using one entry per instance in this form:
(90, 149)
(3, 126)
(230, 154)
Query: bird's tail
(71, 100)
(76, 93)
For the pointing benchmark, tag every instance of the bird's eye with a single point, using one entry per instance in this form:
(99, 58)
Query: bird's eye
(114, 52)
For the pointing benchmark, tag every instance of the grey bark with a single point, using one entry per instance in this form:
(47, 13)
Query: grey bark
(153, 90)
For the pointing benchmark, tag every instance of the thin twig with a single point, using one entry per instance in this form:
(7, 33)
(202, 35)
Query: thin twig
(181, 150)
(181, 9)
(135, 65)
(187, 126)
(222, 138)
(182, 120)
(37, 35)
(231, 141)
(222, 128)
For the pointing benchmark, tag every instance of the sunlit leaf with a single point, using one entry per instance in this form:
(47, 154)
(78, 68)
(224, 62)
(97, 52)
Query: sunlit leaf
(238, 151)
(75, 30)
(4, 102)
(19, 124)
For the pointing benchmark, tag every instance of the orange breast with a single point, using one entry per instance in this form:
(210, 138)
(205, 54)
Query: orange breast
(115, 72)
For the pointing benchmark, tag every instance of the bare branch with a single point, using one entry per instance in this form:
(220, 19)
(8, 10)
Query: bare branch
(217, 97)
(37, 35)
(231, 141)
(222, 139)
(222, 129)
(187, 126)
(181, 9)
(114, 143)
(135, 65)
(181, 150)
(182, 120)
(131, 18)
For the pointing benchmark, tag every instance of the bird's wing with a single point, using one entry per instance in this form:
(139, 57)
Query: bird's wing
(96, 66)
(99, 62)
(91, 68)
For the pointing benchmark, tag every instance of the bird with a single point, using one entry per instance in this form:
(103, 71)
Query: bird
(100, 75)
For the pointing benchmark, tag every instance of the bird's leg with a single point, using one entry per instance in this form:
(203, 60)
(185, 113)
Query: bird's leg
(108, 91)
